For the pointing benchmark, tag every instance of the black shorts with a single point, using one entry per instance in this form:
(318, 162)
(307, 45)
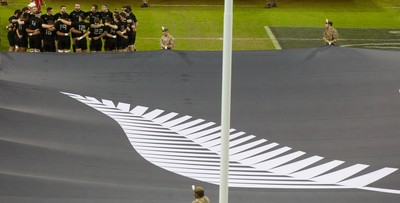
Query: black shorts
(64, 42)
(35, 42)
(110, 44)
(49, 45)
(11, 38)
(131, 38)
(23, 42)
(81, 44)
(95, 45)
(122, 43)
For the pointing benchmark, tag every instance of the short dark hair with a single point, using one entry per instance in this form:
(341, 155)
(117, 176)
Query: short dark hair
(128, 7)
(17, 11)
(25, 9)
(19, 14)
(95, 6)
(49, 9)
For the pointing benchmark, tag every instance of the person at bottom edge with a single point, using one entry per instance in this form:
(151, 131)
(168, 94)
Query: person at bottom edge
(199, 195)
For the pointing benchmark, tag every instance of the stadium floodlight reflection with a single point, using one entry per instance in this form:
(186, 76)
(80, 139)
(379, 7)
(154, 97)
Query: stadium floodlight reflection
(226, 101)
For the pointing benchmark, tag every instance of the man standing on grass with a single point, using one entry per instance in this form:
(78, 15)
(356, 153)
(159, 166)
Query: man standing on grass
(330, 34)
(63, 33)
(76, 13)
(49, 36)
(122, 36)
(110, 44)
(12, 27)
(96, 33)
(49, 15)
(80, 32)
(105, 12)
(74, 17)
(63, 10)
(33, 30)
(93, 13)
(271, 4)
(131, 25)
(21, 34)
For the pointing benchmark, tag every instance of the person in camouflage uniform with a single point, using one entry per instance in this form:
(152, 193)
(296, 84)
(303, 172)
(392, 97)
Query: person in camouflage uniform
(330, 34)
(145, 4)
(271, 3)
(199, 195)
(167, 41)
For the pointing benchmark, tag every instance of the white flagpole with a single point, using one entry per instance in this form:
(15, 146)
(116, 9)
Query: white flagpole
(226, 102)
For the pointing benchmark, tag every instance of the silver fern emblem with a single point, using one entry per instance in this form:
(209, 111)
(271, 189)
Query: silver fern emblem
(190, 147)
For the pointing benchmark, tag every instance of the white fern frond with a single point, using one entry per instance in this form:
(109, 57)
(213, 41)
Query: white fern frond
(191, 147)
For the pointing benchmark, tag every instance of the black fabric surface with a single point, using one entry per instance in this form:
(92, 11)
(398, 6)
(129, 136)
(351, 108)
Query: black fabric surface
(334, 102)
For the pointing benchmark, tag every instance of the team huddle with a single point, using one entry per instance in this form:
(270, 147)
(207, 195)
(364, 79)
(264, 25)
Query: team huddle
(113, 31)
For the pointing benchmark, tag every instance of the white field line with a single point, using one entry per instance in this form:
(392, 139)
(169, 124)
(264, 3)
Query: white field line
(371, 44)
(207, 38)
(199, 5)
(273, 38)
(379, 47)
(340, 39)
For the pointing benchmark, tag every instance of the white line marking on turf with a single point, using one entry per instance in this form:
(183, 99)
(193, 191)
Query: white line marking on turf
(341, 39)
(272, 37)
(199, 5)
(371, 44)
(380, 47)
(207, 38)
(183, 5)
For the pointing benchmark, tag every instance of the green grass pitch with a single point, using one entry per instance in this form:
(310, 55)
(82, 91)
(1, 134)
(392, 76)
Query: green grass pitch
(198, 25)
(307, 37)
